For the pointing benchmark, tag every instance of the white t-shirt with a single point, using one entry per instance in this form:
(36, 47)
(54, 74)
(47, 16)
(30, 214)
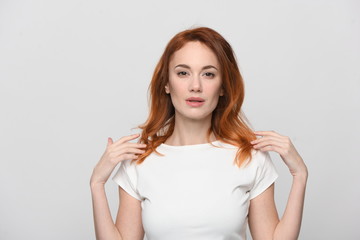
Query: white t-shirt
(195, 192)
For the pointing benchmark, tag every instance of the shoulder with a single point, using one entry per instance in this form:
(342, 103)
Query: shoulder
(128, 163)
(256, 155)
(259, 158)
(259, 155)
(129, 166)
(222, 144)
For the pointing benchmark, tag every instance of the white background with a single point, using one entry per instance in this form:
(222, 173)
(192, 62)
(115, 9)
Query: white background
(75, 72)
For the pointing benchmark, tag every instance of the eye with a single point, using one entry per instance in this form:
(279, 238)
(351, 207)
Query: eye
(182, 73)
(209, 74)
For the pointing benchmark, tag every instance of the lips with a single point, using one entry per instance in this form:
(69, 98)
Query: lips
(195, 101)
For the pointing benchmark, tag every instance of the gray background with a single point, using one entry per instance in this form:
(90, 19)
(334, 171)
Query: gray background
(75, 72)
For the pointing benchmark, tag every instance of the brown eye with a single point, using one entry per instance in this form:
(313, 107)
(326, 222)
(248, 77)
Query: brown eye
(182, 73)
(209, 74)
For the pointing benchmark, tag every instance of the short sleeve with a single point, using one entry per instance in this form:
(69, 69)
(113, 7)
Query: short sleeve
(126, 177)
(266, 173)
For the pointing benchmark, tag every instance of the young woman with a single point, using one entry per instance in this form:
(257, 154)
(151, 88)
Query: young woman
(197, 170)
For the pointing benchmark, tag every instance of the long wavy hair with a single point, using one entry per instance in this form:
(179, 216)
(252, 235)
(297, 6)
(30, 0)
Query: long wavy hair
(228, 123)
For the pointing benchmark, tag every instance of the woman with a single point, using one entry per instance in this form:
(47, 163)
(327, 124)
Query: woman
(198, 171)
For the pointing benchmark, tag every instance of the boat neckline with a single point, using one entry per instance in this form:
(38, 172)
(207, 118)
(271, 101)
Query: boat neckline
(199, 145)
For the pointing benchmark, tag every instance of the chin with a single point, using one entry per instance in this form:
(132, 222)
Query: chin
(198, 117)
(194, 114)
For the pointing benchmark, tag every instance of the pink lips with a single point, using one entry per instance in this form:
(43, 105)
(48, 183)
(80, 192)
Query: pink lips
(195, 101)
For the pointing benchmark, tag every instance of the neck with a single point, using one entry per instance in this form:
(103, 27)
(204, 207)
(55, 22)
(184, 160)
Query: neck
(190, 132)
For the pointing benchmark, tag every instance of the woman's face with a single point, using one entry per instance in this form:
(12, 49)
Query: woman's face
(194, 81)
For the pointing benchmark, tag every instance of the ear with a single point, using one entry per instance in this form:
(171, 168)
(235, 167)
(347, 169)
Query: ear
(221, 92)
(167, 89)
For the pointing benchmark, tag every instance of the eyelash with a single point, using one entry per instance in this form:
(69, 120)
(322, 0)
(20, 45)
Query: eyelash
(211, 74)
(181, 74)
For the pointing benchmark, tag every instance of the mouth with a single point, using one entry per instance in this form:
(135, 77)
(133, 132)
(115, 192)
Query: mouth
(195, 99)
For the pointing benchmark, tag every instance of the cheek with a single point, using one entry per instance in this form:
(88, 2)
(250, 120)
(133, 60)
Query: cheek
(176, 94)
(177, 89)
(215, 90)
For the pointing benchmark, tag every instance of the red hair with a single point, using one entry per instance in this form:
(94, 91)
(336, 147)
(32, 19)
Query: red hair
(228, 123)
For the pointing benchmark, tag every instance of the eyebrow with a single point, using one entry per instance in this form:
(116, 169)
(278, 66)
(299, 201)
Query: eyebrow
(188, 67)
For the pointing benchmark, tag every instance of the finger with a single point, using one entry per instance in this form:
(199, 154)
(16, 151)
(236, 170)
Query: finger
(116, 157)
(127, 138)
(129, 145)
(128, 157)
(137, 145)
(127, 151)
(110, 141)
(266, 139)
(270, 148)
(266, 133)
(270, 143)
(134, 151)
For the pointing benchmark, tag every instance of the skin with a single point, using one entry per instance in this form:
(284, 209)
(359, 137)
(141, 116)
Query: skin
(191, 76)
(194, 71)
(128, 223)
(263, 217)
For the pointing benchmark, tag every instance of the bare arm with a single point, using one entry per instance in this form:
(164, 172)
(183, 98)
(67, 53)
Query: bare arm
(263, 220)
(128, 219)
(129, 208)
(289, 226)
(104, 225)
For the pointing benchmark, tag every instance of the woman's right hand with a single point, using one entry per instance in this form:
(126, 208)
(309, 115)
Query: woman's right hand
(115, 152)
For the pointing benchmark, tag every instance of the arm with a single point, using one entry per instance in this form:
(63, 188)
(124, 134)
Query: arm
(128, 219)
(104, 225)
(128, 222)
(263, 220)
(289, 226)
(129, 207)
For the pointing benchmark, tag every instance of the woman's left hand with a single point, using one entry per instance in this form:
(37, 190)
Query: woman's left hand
(272, 141)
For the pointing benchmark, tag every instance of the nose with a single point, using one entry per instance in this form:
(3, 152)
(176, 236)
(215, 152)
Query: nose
(195, 84)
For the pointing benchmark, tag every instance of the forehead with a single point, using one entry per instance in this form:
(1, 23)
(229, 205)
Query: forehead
(194, 53)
